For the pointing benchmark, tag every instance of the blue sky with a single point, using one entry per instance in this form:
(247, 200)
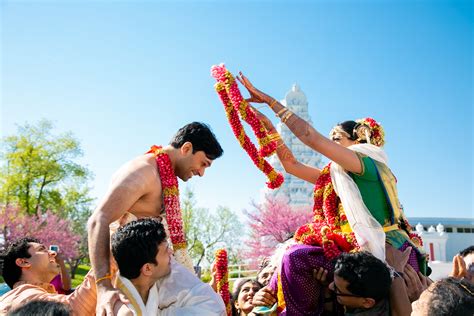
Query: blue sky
(125, 75)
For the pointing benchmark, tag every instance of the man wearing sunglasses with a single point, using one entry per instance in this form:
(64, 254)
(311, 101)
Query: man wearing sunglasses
(362, 284)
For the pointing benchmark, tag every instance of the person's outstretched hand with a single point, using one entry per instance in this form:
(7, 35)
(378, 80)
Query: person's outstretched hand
(256, 95)
(395, 258)
(107, 298)
(459, 269)
(416, 282)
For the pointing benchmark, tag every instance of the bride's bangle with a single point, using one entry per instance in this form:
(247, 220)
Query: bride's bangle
(273, 103)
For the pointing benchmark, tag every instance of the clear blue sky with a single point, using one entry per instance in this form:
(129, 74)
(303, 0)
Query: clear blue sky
(125, 75)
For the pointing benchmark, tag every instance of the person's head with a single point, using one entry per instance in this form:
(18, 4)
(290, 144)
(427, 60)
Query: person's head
(360, 280)
(27, 259)
(361, 131)
(243, 295)
(198, 147)
(41, 308)
(266, 271)
(446, 297)
(468, 256)
(141, 249)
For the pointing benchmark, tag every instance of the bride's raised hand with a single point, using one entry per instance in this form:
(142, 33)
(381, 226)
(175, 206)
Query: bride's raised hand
(256, 96)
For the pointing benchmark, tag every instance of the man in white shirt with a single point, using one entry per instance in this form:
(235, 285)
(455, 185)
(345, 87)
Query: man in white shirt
(152, 280)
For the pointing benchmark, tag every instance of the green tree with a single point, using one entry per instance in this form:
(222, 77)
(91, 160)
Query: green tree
(39, 171)
(207, 231)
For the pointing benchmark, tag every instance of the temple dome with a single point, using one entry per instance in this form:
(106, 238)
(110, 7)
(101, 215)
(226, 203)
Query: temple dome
(295, 95)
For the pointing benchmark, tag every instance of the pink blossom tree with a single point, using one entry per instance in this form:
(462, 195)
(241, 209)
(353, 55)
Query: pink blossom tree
(271, 223)
(48, 227)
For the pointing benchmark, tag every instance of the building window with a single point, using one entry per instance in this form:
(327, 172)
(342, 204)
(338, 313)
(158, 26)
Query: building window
(465, 230)
(449, 229)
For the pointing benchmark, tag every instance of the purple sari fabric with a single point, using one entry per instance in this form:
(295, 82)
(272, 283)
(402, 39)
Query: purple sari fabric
(303, 294)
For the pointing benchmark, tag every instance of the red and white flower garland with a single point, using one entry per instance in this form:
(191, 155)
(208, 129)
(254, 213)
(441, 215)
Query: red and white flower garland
(235, 104)
(169, 186)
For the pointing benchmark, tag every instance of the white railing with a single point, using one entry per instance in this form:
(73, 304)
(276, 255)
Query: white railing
(237, 271)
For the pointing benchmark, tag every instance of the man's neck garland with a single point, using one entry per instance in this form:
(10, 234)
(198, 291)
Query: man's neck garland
(169, 186)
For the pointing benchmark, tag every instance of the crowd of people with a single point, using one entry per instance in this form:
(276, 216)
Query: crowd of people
(357, 257)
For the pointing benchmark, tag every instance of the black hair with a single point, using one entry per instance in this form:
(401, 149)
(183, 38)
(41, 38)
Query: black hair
(135, 244)
(236, 292)
(467, 251)
(366, 275)
(41, 308)
(350, 128)
(451, 297)
(202, 138)
(10, 271)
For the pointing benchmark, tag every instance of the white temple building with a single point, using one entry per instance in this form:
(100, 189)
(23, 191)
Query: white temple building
(298, 192)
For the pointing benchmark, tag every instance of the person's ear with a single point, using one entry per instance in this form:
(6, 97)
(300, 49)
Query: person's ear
(368, 302)
(146, 269)
(186, 148)
(236, 304)
(22, 263)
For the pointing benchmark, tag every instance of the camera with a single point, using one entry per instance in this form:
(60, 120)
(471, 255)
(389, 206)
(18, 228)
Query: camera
(54, 248)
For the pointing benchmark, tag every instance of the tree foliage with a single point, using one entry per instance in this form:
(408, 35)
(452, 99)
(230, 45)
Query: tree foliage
(39, 171)
(49, 228)
(271, 223)
(207, 231)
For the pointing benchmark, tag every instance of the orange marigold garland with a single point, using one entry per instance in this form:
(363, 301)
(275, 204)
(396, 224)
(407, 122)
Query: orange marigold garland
(169, 184)
(234, 104)
(222, 278)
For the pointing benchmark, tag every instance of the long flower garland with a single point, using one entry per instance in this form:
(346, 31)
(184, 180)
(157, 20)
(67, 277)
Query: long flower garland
(234, 105)
(222, 278)
(330, 228)
(169, 185)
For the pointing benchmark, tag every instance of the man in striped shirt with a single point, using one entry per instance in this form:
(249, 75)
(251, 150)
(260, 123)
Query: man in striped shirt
(28, 267)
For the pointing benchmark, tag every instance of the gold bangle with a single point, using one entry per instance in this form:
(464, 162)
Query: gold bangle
(105, 277)
(286, 116)
(274, 136)
(273, 103)
(281, 112)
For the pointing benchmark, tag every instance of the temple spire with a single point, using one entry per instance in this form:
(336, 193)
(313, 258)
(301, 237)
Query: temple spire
(297, 191)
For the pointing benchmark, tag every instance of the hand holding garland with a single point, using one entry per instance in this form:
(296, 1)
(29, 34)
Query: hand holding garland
(225, 83)
(304, 131)
(286, 157)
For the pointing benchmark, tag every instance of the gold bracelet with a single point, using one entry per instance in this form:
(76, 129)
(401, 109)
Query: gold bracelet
(273, 103)
(274, 136)
(105, 277)
(281, 112)
(286, 116)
